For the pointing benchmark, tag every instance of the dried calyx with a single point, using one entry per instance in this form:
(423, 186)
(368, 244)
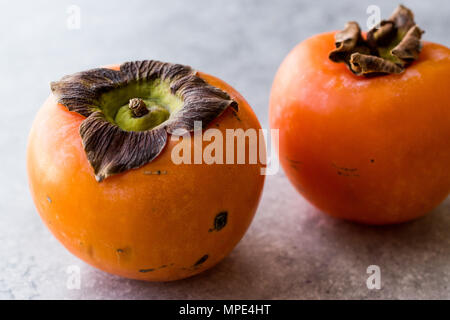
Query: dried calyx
(129, 112)
(388, 48)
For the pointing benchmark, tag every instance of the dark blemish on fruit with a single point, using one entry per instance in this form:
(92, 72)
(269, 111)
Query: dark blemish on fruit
(346, 172)
(220, 221)
(154, 269)
(90, 250)
(49, 199)
(372, 160)
(123, 251)
(201, 260)
(236, 115)
(346, 169)
(157, 172)
(294, 163)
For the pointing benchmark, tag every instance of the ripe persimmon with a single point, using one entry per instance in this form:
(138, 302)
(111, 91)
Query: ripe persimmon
(102, 177)
(370, 144)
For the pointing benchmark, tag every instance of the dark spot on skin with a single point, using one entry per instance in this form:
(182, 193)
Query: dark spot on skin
(90, 250)
(294, 164)
(348, 169)
(346, 172)
(125, 250)
(157, 172)
(236, 115)
(201, 260)
(154, 269)
(49, 199)
(294, 161)
(220, 221)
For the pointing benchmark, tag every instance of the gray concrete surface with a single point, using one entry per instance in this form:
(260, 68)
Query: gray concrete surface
(291, 251)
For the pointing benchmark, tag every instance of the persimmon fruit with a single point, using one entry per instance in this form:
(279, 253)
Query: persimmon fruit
(371, 148)
(131, 211)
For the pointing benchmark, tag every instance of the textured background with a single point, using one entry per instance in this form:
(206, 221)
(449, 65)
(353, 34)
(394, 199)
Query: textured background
(291, 251)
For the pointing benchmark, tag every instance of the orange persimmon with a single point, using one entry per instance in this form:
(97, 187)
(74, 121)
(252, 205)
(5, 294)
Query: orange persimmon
(373, 149)
(158, 221)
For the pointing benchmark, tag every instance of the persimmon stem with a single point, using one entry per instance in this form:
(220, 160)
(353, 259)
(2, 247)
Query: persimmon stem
(138, 107)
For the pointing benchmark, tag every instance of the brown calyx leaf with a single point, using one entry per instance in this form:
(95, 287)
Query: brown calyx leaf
(365, 64)
(110, 149)
(79, 92)
(409, 48)
(403, 18)
(388, 48)
(383, 35)
(347, 42)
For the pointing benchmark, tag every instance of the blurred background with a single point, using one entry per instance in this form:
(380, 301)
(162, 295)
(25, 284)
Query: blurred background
(291, 251)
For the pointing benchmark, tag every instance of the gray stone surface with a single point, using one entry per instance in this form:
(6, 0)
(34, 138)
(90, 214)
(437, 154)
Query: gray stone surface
(291, 250)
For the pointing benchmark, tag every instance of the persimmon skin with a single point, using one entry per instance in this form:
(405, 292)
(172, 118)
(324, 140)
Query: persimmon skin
(154, 227)
(371, 150)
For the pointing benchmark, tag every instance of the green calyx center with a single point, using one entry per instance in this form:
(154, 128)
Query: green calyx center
(140, 105)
